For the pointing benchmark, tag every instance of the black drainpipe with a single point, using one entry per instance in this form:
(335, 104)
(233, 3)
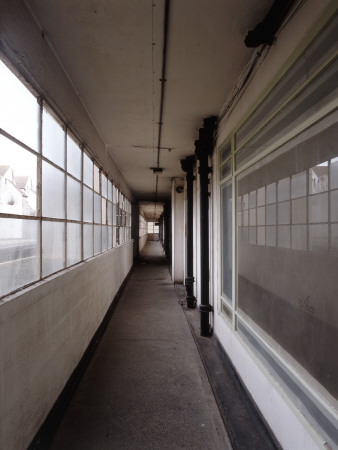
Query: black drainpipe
(204, 147)
(187, 165)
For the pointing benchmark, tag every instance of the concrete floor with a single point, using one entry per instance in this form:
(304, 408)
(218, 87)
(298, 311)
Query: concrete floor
(146, 387)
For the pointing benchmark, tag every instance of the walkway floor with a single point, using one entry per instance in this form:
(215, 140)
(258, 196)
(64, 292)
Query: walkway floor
(146, 387)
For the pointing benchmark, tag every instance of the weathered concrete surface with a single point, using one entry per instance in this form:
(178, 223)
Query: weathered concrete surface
(146, 387)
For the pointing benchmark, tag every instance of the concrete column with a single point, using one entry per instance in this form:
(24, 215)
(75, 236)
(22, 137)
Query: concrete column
(177, 230)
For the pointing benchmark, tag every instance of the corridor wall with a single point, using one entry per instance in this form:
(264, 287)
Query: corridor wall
(275, 237)
(46, 327)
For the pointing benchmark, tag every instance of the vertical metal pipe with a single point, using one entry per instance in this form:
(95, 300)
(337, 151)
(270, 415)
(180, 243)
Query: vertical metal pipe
(188, 167)
(204, 147)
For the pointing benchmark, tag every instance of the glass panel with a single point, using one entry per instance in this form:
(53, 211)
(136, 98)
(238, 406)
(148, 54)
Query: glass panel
(73, 199)
(334, 206)
(271, 236)
(260, 235)
(299, 237)
(97, 239)
(284, 213)
(88, 249)
(110, 237)
(284, 189)
(271, 193)
(53, 192)
(226, 194)
(19, 110)
(318, 238)
(261, 196)
(74, 158)
(53, 140)
(97, 208)
(104, 211)
(298, 185)
(110, 191)
(53, 247)
(226, 169)
(114, 215)
(73, 243)
(114, 237)
(334, 173)
(18, 169)
(87, 170)
(104, 185)
(299, 210)
(261, 215)
(284, 236)
(318, 208)
(104, 238)
(225, 152)
(19, 253)
(88, 198)
(271, 214)
(110, 213)
(96, 178)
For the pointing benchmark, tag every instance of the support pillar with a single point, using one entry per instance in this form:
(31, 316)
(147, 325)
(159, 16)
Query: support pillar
(187, 165)
(204, 147)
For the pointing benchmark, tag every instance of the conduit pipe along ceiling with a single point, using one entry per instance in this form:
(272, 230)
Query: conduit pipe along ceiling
(115, 53)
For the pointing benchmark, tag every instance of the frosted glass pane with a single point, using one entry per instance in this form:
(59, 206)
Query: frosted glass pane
(97, 239)
(334, 239)
(97, 208)
(104, 238)
(271, 193)
(252, 217)
(114, 194)
(110, 237)
(284, 236)
(318, 208)
(318, 238)
(298, 185)
(334, 206)
(114, 215)
(114, 237)
(88, 249)
(261, 215)
(19, 253)
(110, 213)
(53, 247)
(104, 211)
(104, 185)
(252, 199)
(96, 178)
(271, 214)
(284, 212)
(18, 169)
(261, 196)
(73, 243)
(53, 192)
(334, 173)
(245, 218)
(19, 110)
(73, 199)
(87, 170)
(299, 210)
(74, 158)
(284, 189)
(88, 198)
(299, 237)
(53, 140)
(226, 194)
(110, 191)
(245, 202)
(319, 178)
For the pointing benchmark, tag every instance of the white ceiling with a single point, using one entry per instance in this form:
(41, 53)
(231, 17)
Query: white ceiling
(112, 52)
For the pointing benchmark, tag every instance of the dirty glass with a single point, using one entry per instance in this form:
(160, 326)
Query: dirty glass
(53, 139)
(226, 199)
(73, 243)
(74, 158)
(53, 247)
(53, 192)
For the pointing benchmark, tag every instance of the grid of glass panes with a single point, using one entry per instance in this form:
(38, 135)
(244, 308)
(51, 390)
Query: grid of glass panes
(56, 205)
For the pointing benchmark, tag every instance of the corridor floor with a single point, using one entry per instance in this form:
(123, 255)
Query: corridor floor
(145, 387)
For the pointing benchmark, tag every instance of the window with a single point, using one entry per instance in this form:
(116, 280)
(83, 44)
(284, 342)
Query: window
(75, 211)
